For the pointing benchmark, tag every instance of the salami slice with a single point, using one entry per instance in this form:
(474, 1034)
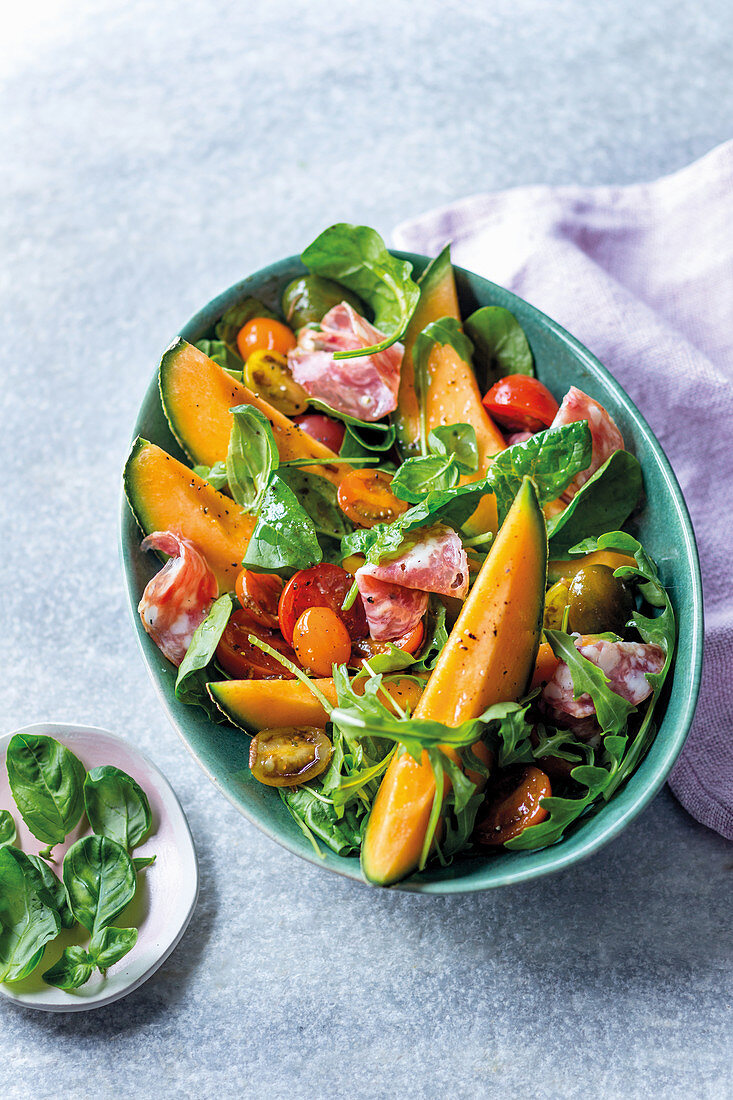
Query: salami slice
(365, 387)
(177, 599)
(625, 665)
(391, 610)
(432, 559)
(606, 437)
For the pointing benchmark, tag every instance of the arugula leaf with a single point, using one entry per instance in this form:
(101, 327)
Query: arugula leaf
(436, 635)
(73, 969)
(117, 806)
(285, 536)
(56, 891)
(109, 945)
(100, 880)
(28, 919)
(7, 828)
(551, 458)
(237, 316)
(192, 678)
(605, 501)
(252, 456)
(611, 709)
(446, 330)
(319, 498)
(46, 782)
(216, 475)
(223, 355)
(500, 345)
(357, 257)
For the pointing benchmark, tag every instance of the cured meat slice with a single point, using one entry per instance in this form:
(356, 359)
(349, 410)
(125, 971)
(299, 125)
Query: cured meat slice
(365, 387)
(606, 437)
(391, 610)
(177, 599)
(625, 665)
(518, 437)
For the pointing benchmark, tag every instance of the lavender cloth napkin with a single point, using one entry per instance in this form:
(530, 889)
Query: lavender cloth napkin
(643, 276)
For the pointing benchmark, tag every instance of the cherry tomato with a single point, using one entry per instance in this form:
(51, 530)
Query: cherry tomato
(243, 660)
(366, 498)
(267, 374)
(325, 429)
(324, 585)
(265, 334)
(321, 640)
(259, 594)
(289, 755)
(513, 804)
(366, 648)
(520, 402)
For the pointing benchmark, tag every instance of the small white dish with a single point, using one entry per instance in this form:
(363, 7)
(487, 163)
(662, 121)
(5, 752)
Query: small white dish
(167, 890)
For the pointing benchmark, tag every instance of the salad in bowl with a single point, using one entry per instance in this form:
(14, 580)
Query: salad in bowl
(396, 558)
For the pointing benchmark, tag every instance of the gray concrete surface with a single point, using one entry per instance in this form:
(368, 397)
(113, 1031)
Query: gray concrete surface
(152, 154)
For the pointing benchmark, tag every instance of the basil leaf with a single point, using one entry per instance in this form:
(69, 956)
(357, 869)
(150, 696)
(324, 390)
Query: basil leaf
(611, 709)
(216, 475)
(237, 316)
(99, 879)
(605, 501)
(447, 330)
(28, 919)
(223, 356)
(319, 498)
(252, 456)
(500, 345)
(285, 535)
(457, 441)
(141, 862)
(46, 782)
(7, 828)
(357, 257)
(56, 891)
(109, 945)
(73, 969)
(192, 678)
(117, 806)
(551, 458)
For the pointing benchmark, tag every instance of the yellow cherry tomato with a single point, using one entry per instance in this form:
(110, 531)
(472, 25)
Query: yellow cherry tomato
(287, 756)
(264, 334)
(267, 374)
(366, 498)
(556, 600)
(321, 640)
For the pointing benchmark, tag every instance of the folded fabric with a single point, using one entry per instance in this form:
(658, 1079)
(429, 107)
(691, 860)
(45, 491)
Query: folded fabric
(643, 276)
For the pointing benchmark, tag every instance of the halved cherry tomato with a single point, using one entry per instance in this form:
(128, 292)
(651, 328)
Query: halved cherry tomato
(366, 498)
(265, 334)
(366, 648)
(259, 594)
(520, 402)
(267, 374)
(287, 756)
(328, 431)
(513, 804)
(321, 640)
(324, 585)
(545, 665)
(243, 660)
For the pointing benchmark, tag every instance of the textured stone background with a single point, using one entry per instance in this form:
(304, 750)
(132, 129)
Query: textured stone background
(152, 154)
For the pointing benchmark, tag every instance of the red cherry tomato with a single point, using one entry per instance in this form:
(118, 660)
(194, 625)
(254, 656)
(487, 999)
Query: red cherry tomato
(259, 594)
(512, 805)
(321, 640)
(265, 334)
(519, 402)
(366, 498)
(325, 429)
(324, 585)
(366, 648)
(243, 660)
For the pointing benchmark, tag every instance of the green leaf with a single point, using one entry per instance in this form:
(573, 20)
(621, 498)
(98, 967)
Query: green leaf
(417, 477)
(357, 257)
(7, 828)
(56, 891)
(46, 781)
(141, 862)
(223, 355)
(500, 345)
(285, 536)
(117, 806)
(237, 316)
(446, 330)
(319, 498)
(192, 676)
(73, 969)
(100, 880)
(216, 475)
(28, 919)
(551, 458)
(307, 300)
(611, 709)
(457, 441)
(605, 501)
(252, 456)
(109, 945)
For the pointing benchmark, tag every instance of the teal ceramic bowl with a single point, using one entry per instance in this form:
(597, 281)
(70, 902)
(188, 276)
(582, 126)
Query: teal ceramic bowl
(663, 526)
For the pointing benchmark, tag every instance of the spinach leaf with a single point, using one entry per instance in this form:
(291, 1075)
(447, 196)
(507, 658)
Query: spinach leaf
(605, 501)
(376, 435)
(456, 441)
(551, 458)
(117, 806)
(46, 782)
(56, 891)
(192, 678)
(237, 316)
(341, 835)
(216, 475)
(436, 635)
(73, 969)
(223, 356)
(141, 862)
(100, 880)
(252, 456)
(285, 536)
(319, 498)
(357, 257)
(447, 330)
(453, 451)
(28, 919)
(7, 828)
(109, 945)
(612, 710)
(500, 345)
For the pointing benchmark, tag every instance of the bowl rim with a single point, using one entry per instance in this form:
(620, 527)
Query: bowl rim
(556, 857)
